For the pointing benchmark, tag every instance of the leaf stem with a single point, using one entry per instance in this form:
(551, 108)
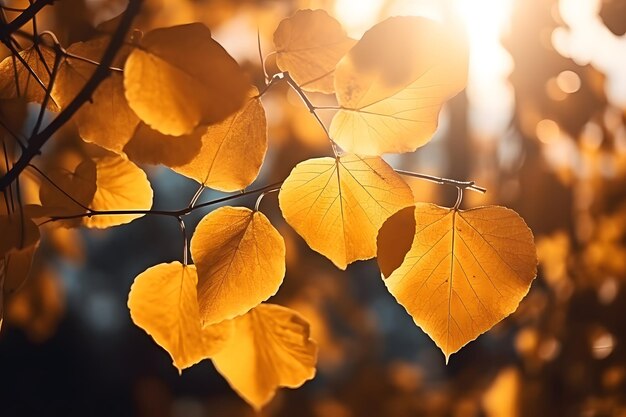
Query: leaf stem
(181, 223)
(470, 185)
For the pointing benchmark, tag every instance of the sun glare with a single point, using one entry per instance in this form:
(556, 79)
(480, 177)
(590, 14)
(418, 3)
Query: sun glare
(486, 21)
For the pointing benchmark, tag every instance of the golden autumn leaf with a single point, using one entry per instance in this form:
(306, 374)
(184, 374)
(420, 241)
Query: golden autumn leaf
(465, 270)
(163, 302)
(148, 146)
(270, 348)
(120, 185)
(338, 205)
(100, 184)
(79, 183)
(240, 258)
(106, 119)
(393, 82)
(16, 81)
(225, 156)
(179, 77)
(309, 45)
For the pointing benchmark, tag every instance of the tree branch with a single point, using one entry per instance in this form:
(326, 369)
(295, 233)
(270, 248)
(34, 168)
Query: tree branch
(28, 13)
(37, 141)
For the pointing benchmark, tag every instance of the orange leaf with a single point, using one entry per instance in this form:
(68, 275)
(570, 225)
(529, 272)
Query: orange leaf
(392, 84)
(163, 302)
(241, 262)
(179, 77)
(106, 120)
(465, 270)
(270, 348)
(226, 156)
(16, 81)
(308, 45)
(338, 205)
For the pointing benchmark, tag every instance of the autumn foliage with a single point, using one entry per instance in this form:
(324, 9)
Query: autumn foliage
(173, 96)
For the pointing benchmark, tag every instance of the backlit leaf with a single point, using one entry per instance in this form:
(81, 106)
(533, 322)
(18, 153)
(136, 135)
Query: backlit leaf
(465, 270)
(338, 205)
(393, 82)
(179, 77)
(308, 45)
(106, 120)
(100, 184)
(25, 85)
(270, 348)
(163, 301)
(240, 258)
(226, 156)
(120, 185)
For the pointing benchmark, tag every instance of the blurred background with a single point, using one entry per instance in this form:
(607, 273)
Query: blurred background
(541, 126)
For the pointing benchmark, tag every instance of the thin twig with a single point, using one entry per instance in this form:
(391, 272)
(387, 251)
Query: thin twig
(263, 194)
(171, 213)
(28, 13)
(294, 85)
(439, 180)
(181, 223)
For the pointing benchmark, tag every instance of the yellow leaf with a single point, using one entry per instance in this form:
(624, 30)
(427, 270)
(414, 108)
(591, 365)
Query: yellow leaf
(179, 77)
(393, 82)
(163, 302)
(465, 271)
(226, 156)
(338, 205)
(120, 185)
(149, 146)
(79, 183)
(270, 348)
(100, 184)
(106, 120)
(240, 258)
(308, 45)
(17, 81)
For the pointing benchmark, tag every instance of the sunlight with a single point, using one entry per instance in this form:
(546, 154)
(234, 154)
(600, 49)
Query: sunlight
(358, 15)
(490, 64)
(488, 89)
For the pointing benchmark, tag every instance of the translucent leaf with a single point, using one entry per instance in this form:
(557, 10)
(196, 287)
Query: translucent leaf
(226, 156)
(240, 258)
(338, 205)
(465, 270)
(79, 183)
(179, 77)
(270, 348)
(120, 185)
(393, 82)
(102, 184)
(149, 146)
(106, 120)
(17, 81)
(163, 302)
(308, 45)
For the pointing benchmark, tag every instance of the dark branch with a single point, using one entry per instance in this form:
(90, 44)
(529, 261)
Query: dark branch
(28, 13)
(100, 74)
